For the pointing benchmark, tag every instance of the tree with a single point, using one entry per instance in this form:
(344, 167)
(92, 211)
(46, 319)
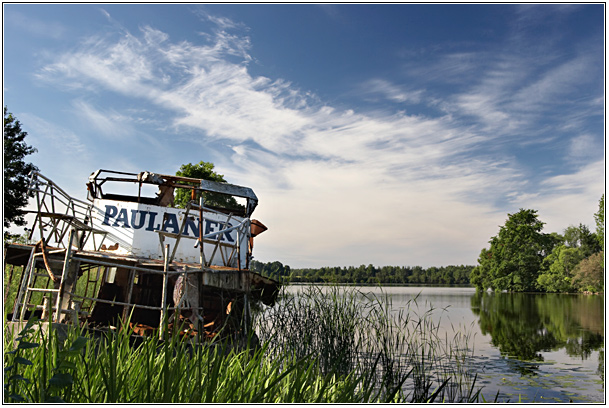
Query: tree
(571, 236)
(599, 217)
(561, 264)
(515, 256)
(204, 170)
(589, 274)
(581, 238)
(16, 170)
(480, 276)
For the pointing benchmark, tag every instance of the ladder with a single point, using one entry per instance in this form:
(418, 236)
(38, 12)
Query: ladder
(26, 288)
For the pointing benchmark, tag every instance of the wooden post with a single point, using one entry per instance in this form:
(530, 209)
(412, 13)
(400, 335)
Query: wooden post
(46, 308)
(127, 309)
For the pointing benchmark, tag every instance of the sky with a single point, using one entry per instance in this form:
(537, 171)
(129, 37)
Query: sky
(393, 134)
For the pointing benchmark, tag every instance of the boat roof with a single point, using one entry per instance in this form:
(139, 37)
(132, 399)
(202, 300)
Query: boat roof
(99, 177)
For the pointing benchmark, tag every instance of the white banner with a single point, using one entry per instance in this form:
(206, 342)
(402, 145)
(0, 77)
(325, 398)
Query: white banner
(132, 230)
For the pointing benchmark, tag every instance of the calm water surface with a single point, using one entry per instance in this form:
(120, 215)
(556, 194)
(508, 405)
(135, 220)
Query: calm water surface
(528, 347)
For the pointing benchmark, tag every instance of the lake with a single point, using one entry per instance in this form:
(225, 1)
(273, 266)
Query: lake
(526, 347)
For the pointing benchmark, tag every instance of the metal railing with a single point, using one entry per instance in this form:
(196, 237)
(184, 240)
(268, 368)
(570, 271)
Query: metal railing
(243, 229)
(56, 212)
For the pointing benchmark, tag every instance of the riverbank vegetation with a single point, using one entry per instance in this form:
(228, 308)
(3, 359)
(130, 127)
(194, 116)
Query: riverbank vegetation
(323, 346)
(522, 258)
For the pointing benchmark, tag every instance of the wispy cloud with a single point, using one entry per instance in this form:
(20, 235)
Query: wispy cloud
(61, 137)
(36, 27)
(516, 94)
(583, 147)
(570, 199)
(109, 123)
(544, 91)
(221, 23)
(378, 87)
(63, 151)
(119, 67)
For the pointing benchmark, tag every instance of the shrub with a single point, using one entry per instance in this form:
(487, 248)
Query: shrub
(589, 274)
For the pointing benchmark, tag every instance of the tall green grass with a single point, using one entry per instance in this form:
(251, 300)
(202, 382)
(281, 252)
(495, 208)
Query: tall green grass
(349, 331)
(323, 347)
(80, 370)
(12, 281)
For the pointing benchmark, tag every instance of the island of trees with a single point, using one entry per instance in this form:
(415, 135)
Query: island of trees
(521, 258)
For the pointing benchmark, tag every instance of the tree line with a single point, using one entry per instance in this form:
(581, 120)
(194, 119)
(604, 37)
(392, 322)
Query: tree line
(366, 274)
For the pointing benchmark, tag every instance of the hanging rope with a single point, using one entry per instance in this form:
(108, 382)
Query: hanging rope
(40, 244)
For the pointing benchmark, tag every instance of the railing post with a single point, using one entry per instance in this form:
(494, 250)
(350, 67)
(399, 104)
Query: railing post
(26, 276)
(201, 224)
(164, 294)
(182, 227)
(219, 239)
(47, 309)
(38, 215)
(239, 247)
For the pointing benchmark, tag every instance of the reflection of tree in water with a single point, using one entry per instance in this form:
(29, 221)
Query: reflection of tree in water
(601, 365)
(523, 325)
(584, 345)
(514, 325)
(523, 368)
(576, 321)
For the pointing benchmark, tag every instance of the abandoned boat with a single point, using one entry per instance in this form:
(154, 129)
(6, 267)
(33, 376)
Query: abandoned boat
(130, 254)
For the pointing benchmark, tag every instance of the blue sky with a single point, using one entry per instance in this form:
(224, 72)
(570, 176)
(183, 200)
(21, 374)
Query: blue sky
(386, 134)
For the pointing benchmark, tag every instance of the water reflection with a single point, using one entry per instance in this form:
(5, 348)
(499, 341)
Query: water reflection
(522, 326)
(527, 347)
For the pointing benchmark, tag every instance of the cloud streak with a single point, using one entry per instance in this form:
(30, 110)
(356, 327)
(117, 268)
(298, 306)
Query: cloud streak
(36, 27)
